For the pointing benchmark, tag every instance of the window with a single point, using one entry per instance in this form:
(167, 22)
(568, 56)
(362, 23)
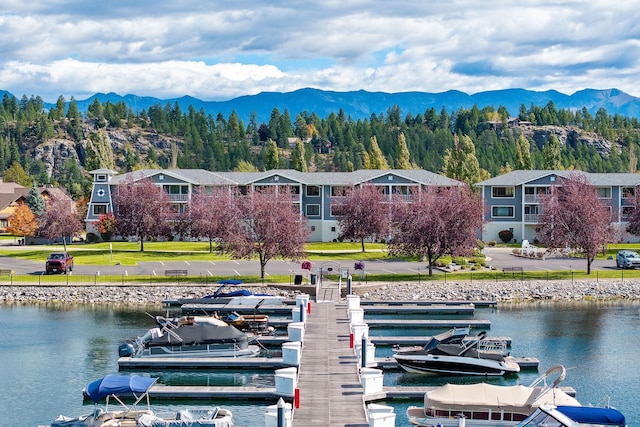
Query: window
(502, 192)
(628, 192)
(313, 190)
(313, 210)
(99, 209)
(338, 191)
(101, 178)
(502, 211)
(604, 192)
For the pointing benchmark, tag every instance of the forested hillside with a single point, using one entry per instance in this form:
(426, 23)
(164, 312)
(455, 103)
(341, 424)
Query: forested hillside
(59, 144)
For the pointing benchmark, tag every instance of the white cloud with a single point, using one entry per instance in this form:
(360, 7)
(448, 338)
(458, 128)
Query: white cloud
(223, 50)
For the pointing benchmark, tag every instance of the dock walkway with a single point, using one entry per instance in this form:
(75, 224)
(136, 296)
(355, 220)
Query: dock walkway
(330, 391)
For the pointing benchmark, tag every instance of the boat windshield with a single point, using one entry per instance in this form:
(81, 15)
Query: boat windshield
(577, 415)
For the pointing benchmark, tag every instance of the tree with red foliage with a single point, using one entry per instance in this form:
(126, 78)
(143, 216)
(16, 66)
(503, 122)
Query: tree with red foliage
(443, 221)
(142, 209)
(209, 214)
(362, 214)
(574, 216)
(268, 226)
(59, 220)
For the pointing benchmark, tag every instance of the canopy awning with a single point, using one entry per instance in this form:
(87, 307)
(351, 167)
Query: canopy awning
(118, 385)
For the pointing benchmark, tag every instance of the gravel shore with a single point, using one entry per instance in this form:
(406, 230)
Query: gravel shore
(517, 291)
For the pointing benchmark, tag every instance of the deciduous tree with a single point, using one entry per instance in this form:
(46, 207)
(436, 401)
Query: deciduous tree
(574, 216)
(362, 213)
(142, 209)
(210, 214)
(22, 221)
(268, 226)
(436, 223)
(16, 173)
(461, 162)
(59, 220)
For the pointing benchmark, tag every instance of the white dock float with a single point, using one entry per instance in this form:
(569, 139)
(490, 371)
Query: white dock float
(433, 323)
(202, 362)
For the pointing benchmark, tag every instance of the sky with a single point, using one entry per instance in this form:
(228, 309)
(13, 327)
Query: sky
(216, 51)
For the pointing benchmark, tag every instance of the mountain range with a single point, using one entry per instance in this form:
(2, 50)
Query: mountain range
(362, 104)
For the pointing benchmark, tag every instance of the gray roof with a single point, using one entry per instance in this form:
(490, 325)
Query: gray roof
(203, 177)
(520, 177)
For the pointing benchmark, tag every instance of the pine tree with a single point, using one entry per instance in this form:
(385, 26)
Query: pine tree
(36, 202)
(551, 153)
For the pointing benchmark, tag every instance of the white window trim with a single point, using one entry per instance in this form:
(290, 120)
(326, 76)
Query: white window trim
(306, 191)
(610, 193)
(101, 178)
(503, 206)
(95, 205)
(306, 210)
(503, 197)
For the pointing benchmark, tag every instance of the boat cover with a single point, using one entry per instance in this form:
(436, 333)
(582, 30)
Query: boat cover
(592, 415)
(118, 385)
(482, 396)
(200, 333)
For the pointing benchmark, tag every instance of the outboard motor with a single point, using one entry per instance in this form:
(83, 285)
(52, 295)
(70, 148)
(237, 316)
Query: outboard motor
(125, 350)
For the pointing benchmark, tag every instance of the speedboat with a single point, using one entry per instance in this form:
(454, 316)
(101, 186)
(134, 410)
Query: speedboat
(191, 336)
(121, 388)
(228, 295)
(571, 416)
(487, 405)
(451, 354)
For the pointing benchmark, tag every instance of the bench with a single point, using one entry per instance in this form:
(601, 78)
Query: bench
(5, 272)
(175, 273)
(512, 269)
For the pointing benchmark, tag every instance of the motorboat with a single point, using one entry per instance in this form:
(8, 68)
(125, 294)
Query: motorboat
(488, 405)
(228, 294)
(250, 323)
(122, 389)
(191, 336)
(449, 353)
(574, 416)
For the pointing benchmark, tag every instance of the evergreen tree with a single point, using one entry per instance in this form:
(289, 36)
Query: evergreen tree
(272, 160)
(551, 153)
(523, 153)
(298, 161)
(15, 173)
(461, 162)
(36, 202)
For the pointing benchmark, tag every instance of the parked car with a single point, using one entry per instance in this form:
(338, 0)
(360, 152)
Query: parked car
(627, 259)
(59, 262)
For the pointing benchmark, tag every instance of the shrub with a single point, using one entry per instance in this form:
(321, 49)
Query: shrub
(491, 243)
(505, 235)
(92, 238)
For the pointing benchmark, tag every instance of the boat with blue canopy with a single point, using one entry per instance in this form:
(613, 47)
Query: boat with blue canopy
(138, 413)
(574, 416)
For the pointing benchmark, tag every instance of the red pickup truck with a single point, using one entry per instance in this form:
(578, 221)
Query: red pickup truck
(59, 262)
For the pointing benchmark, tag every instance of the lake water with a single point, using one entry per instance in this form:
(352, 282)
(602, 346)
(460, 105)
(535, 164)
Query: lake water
(49, 353)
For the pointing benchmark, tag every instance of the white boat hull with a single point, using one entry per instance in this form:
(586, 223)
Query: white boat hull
(428, 364)
(212, 350)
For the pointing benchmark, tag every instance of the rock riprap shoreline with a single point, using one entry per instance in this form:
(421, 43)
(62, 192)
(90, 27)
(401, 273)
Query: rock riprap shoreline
(515, 291)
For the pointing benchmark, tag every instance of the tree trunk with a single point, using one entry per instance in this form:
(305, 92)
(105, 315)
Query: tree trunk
(141, 244)
(210, 245)
(589, 261)
(362, 241)
(64, 243)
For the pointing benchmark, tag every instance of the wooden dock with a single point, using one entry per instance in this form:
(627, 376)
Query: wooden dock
(330, 389)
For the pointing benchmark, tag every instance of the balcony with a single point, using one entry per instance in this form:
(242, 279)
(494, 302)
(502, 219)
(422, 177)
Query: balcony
(531, 218)
(179, 197)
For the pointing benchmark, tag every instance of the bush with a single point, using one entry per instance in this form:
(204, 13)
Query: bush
(491, 243)
(505, 235)
(92, 238)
